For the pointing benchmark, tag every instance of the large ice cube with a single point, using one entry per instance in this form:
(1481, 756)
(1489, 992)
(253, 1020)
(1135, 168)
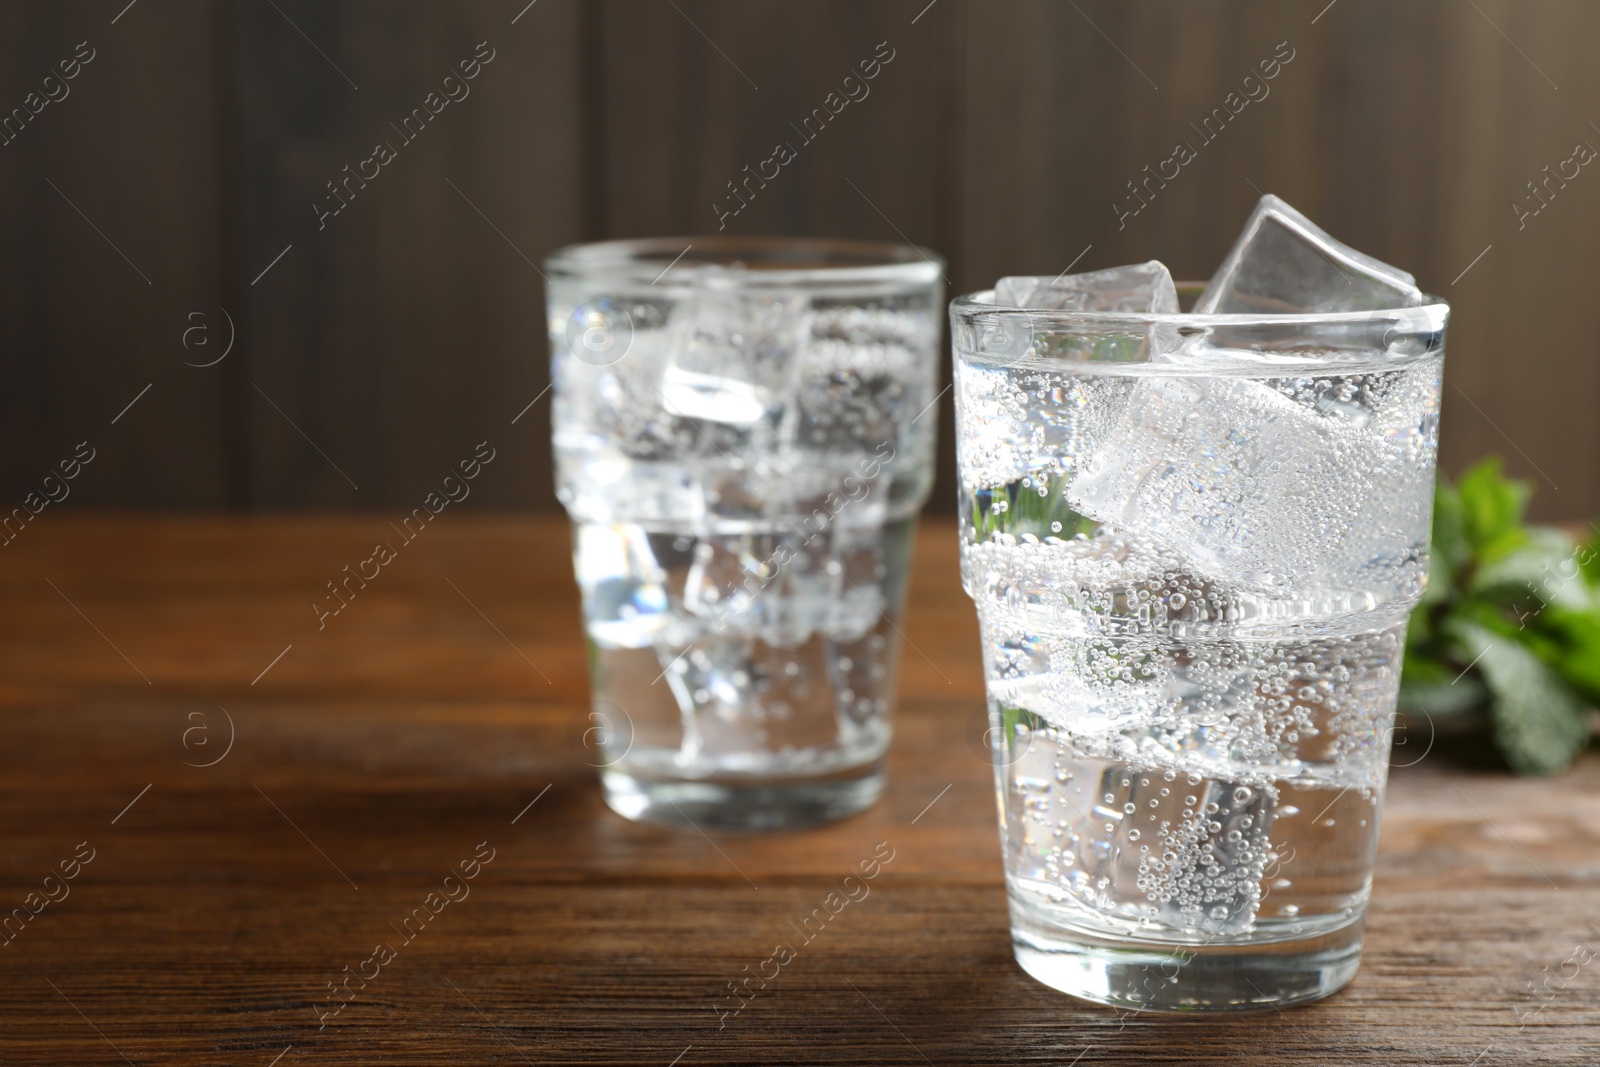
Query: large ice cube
(616, 406)
(735, 355)
(863, 679)
(1018, 391)
(624, 594)
(861, 379)
(744, 701)
(1143, 699)
(1283, 263)
(1254, 485)
(784, 586)
(1150, 845)
(1143, 287)
(774, 642)
(993, 398)
(753, 584)
(1203, 861)
(1285, 485)
(608, 487)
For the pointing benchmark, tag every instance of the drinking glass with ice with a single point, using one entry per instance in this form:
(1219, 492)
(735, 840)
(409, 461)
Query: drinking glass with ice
(1193, 541)
(743, 440)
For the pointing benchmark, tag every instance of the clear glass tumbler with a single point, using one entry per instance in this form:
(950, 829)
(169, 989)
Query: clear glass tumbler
(1193, 542)
(744, 434)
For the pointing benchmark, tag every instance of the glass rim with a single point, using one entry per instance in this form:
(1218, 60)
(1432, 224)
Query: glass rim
(971, 305)
(759, 260)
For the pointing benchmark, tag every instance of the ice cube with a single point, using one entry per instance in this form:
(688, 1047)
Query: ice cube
(1143, 287)
(744, 701)
(863, 679)
(735, 354)
(604, 486)
(614, 406)
(861, 378)
(1207, 872)
(1040, 340)
(1248, 484)
(993, 398)
(802, 587)
(1140, 698)
(855, 564)
(1283, 263)
(624, 595)
(721, 582)
(1157, 845)
(782, 587)
(1094, 688)
(749, 584)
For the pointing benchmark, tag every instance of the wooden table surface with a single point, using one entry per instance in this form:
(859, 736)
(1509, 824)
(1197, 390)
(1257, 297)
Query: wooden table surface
(213, 909)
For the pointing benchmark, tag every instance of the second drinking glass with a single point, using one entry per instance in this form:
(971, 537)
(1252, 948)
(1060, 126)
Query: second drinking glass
(744, 434)
(1193, 569)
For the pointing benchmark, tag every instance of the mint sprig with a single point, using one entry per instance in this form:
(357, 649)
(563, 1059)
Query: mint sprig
(1509, 627)
(1035, 504)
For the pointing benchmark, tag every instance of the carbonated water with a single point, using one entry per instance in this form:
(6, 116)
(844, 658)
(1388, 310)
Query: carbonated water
(742, 466)
(1193, 576)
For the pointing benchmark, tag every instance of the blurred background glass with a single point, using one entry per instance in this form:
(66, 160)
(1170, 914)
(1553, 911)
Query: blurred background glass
(740, 442)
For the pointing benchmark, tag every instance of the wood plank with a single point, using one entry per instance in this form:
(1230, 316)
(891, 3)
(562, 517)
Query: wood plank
(1003, 134)
(704, 91)
(401, 331)
(109, 206)
(1427, 161)
(208, 925)
(1068, 106)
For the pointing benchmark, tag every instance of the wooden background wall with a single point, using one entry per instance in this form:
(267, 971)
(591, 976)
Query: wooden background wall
(158, 196)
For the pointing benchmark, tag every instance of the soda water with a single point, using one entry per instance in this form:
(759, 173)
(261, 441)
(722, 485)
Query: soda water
(743, 481)
(1193, 570)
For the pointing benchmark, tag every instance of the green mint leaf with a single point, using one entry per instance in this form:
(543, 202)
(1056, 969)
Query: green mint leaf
(1036, 504)
(1508, 625)
(1011, 718)
(1451, 551)
(1492, 507)
(1540, 724)
(1428, 687)
(1588, 558)
(1424, 670)
(1577, 636)
(1517, 623)
(1541, 567)
(1482, 613)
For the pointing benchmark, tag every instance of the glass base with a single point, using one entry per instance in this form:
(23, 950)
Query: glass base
(1200, 978)
(744, 804)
